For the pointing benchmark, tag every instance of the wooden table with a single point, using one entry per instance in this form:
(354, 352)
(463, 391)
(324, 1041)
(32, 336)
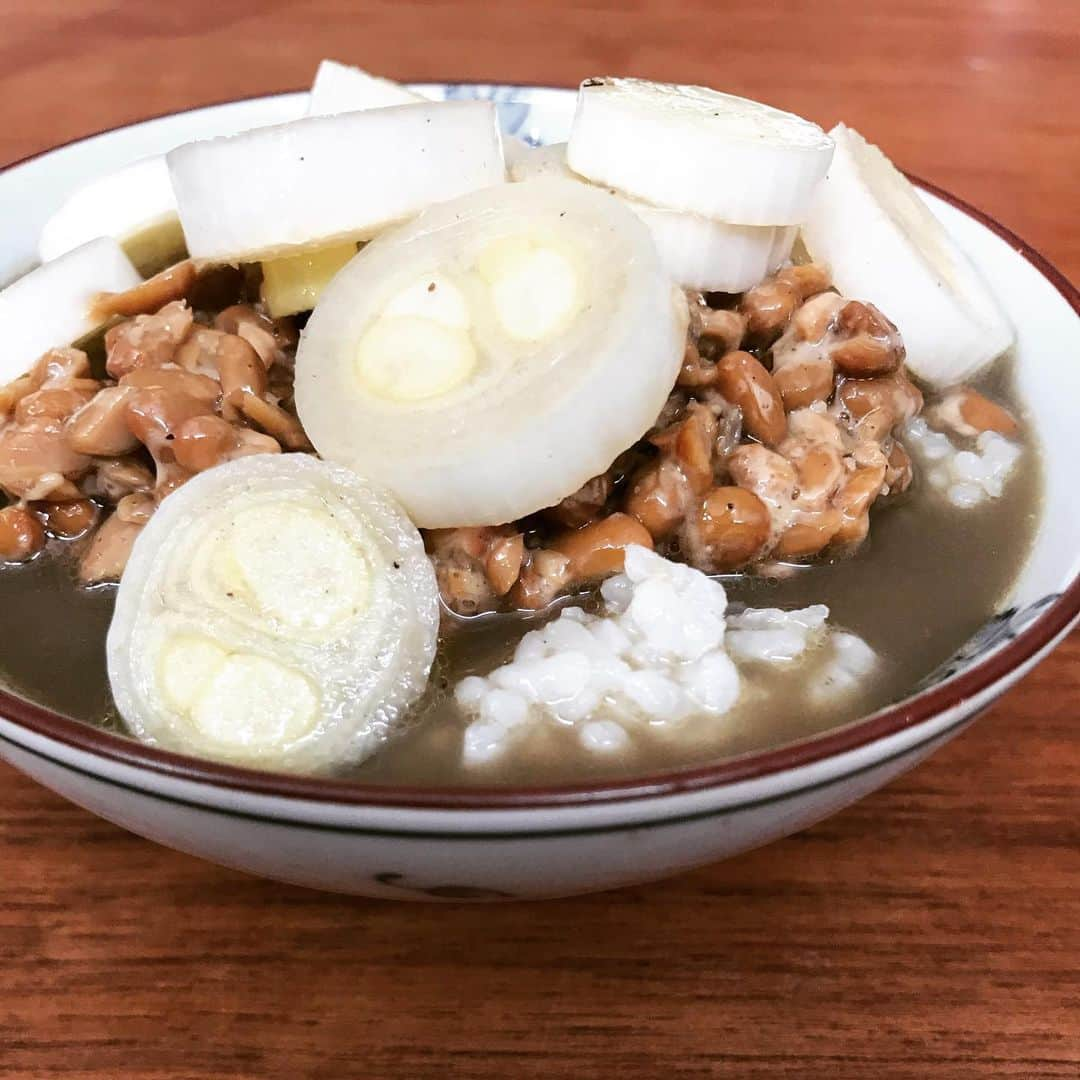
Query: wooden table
(932, 931)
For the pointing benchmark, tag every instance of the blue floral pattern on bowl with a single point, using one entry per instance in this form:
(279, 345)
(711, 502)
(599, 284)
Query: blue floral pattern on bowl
(537, 115)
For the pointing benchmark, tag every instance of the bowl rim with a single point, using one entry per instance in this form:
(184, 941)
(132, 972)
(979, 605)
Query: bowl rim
(891, 720)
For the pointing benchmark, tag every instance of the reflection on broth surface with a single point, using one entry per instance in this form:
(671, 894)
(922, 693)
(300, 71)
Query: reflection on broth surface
(923, 583)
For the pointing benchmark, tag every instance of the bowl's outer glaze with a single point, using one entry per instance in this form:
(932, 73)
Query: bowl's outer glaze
(541, 842)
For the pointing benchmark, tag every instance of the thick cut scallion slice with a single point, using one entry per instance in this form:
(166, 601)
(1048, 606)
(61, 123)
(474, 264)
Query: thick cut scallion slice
(121, 204)
(277, 611)
(329, 178)
(487, 359)
(694, 149)
(295, 282)
(883, 244)
(342, 88)
(52, 305)
(698, 252)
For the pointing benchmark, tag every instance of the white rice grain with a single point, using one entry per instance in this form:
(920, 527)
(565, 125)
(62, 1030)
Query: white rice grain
(664, 650)
(965, 477)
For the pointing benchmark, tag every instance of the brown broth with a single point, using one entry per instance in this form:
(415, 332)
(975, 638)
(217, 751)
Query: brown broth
(926, 579)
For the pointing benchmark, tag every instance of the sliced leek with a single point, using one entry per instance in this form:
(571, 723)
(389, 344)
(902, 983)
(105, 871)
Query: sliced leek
(342, 88)
(330, 178)
(883, 244)
(52, 305)
(121, 204)
(277, 611)
(694, 149)
(294, 283)
(698, 252)
(487, 359)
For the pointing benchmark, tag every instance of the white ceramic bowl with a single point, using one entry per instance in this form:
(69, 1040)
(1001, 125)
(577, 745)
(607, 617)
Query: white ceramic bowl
(494, 844)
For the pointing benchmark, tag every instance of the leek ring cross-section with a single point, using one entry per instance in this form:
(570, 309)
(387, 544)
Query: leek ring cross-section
(276, 611)
(487, 359)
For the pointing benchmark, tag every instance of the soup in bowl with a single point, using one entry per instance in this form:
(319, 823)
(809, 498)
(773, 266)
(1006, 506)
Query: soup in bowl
(552, 521)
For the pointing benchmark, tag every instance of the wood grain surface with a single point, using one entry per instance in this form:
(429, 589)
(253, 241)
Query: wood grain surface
(932, 931)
